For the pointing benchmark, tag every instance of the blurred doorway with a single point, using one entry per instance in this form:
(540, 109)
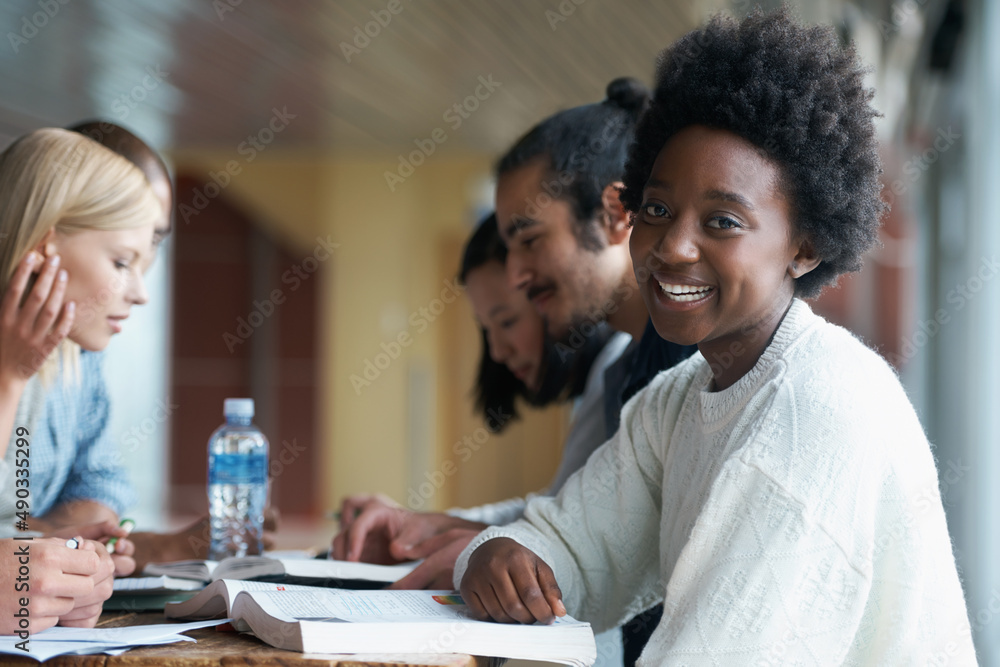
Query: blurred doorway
(244, 325)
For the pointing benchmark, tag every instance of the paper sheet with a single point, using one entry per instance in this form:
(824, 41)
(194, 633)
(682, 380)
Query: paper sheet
(85, 641)
(161, 583)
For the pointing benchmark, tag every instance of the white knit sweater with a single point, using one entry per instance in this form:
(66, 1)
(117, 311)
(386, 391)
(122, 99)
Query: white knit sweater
(793, 518)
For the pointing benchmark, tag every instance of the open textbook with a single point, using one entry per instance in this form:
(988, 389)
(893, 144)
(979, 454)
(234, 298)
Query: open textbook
(305, 571)
(323, 620)
(216, 599)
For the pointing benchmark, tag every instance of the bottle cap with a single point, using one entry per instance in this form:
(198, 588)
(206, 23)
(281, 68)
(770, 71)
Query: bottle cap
(238, 407)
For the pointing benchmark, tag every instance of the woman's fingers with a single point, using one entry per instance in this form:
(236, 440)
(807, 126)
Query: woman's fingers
(40, 292)
(34, 324)
(50, 606)
(15, 289)
(82, 617)
(51, 309)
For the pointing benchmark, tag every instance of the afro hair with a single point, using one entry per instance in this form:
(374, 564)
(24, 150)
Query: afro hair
(798, 95)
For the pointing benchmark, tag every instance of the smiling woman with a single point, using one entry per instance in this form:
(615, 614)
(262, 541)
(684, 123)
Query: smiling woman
(776, 491)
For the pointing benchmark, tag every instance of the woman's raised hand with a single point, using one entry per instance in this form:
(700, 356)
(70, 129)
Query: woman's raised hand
(30, 328)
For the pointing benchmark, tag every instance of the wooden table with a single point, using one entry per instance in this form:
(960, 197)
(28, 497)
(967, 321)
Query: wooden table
(229, 648)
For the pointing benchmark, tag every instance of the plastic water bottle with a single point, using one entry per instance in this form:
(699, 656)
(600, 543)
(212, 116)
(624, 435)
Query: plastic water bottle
(237, 482)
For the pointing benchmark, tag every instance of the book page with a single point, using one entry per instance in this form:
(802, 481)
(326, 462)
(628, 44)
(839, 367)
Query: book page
(339, 569)
(161, 583)
(246, 567)
(217, 598)
(364, 606)
(185, 569)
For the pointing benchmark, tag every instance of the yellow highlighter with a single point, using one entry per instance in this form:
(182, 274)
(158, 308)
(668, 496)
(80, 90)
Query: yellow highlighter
(128, 525)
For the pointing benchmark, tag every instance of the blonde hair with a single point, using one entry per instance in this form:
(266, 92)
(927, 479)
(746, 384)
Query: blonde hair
(53, 179)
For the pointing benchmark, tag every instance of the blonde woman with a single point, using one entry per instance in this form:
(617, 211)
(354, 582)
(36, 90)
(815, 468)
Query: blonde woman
(76, 226)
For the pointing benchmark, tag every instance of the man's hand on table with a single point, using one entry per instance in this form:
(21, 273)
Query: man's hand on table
(439, 553)
(376, 530)
(189, 543)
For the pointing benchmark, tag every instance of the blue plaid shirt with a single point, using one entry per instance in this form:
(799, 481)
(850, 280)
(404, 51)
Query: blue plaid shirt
(72, 455)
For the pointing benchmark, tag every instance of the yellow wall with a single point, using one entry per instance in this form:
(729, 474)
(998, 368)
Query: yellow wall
(397, 254)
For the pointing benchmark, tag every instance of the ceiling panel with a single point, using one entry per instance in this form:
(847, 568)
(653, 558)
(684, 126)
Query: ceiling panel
(195, 74)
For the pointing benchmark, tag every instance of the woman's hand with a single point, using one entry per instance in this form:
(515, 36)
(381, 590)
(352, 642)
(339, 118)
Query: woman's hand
(102, 532)
(87, 608)
(29, 332)
(65, 584)
(508, 583)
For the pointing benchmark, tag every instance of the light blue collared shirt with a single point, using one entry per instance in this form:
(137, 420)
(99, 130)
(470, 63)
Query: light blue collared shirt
(71, 453)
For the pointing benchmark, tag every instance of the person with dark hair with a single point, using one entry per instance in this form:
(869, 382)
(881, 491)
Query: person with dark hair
(135, 150)
(560, 214)
(561, 219)
(567, 233)
(561, 371)
(375, 529)
(775, 490)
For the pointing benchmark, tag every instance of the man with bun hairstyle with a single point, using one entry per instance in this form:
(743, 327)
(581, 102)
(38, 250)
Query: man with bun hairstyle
(567, 234)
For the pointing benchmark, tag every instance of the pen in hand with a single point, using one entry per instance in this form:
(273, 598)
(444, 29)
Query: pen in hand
(127, 525)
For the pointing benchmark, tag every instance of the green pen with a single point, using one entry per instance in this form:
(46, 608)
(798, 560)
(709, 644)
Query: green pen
(128, 525)
(335, 516)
